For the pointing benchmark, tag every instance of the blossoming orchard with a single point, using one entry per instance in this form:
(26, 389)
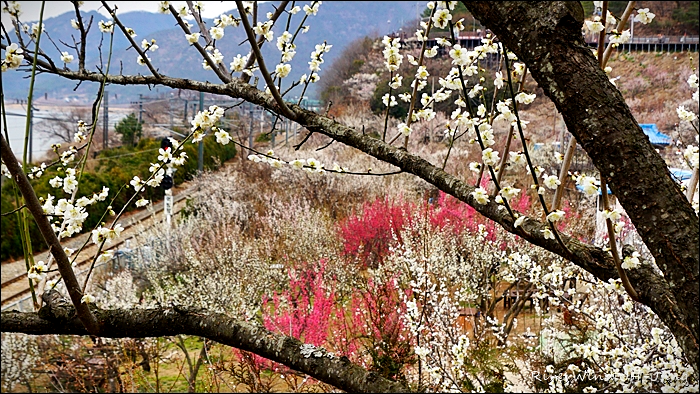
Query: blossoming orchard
(429, 245)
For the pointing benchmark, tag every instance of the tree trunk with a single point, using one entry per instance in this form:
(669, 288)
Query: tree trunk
(547, 37)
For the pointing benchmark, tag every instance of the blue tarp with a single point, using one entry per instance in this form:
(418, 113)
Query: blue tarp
(678, 174)
(655, 136)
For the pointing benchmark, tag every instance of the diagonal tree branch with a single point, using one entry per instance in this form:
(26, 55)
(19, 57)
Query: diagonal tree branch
(131, 40)
(64, 267)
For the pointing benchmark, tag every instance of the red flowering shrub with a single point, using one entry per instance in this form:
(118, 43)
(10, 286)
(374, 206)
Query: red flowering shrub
(369, 234)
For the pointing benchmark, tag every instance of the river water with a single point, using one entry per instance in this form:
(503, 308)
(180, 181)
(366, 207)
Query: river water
(16, 118)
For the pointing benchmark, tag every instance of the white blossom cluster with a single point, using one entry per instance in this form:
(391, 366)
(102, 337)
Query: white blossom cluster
(629, 351)
(310, 165)
(315, 63)
(73, 214)
(13, 57)
(204, 120)
(20, 356)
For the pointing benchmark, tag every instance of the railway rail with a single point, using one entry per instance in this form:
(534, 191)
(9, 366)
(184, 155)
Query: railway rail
(15, 286)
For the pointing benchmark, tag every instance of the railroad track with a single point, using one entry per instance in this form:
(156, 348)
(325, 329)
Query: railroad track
(15, 286)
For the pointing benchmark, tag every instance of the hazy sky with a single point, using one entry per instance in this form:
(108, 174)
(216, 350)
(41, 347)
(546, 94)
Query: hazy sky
(31, 9)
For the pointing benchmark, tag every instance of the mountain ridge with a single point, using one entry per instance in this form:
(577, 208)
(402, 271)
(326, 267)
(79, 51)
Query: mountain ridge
(339, 23)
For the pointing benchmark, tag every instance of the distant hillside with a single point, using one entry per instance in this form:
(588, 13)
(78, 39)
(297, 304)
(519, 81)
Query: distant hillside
(338, 22)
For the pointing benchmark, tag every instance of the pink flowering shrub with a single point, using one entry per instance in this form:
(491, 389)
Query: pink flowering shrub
(369, 235)
(364, 326)
(304, 310)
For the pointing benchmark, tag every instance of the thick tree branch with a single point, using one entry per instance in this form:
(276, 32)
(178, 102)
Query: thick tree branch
(57, 317)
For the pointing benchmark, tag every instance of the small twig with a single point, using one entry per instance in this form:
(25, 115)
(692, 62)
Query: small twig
(369, 171)
(325, 146)
(131, 40)
(613, 244)
(222, 76)
(297, 146)
(83, 36)
(261, 64)
(14, 210)
(528, 159)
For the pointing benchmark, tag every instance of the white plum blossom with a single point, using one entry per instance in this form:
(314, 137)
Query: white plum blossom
(525, 98)
(106, 27)
(631, 262)
(556, 216)
(644, 16)
(595, 26)
(222, 137)
(489, 157)
(192, 38)
(685, 115)
(509, 192)
(282, 70)
(391, 53)
(264, 29)
(551, 181)
(216, 32)
(441, 18)
(389, 101)
(693, 81)
(480, 195)
(238, 63)
(548, 234)
(66, 57)
(588, 184)
(13, 57)
(313, 9)
(88, 299)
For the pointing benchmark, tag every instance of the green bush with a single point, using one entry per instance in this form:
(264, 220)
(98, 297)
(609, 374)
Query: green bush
(130, 129)
(112, 168)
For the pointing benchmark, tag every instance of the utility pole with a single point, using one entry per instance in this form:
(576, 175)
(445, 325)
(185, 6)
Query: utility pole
(200, 160)
(167, 184)
(140, 108)
(184, 118)
(170, 112)
(31, 130)
(105, 127)
(273, 132)
(250, 134)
